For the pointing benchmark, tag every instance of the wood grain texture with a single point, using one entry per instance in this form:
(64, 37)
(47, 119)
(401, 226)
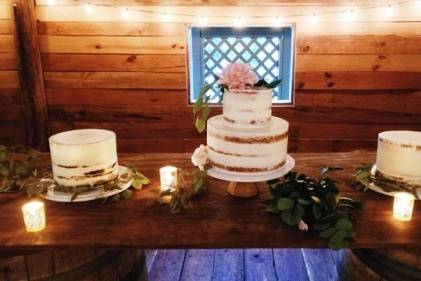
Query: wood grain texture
(112, 45)
(31, 79)
(8, 61)
(9, 80)
(228, 265)
(116, 80)
(289, 265)
(99, 62)
(67, 28)
(313, 259)
(7, 43)
(209, 224)
(198, 265)
(6, 27)
(167, 265)
(258, 265)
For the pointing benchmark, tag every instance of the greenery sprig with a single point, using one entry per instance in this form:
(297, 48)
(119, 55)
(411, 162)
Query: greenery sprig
(364, 179)
(17, 164)
(18, 172)
(317, 202)
(189, 185)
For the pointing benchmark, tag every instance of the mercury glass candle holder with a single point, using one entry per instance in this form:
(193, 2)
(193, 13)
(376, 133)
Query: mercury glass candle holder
(34, 216)
(403, 205)
(169, 177)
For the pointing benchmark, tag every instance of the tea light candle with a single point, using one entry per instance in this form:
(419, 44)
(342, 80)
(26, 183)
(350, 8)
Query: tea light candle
(34, 216)
(169, 177)
(403, 205)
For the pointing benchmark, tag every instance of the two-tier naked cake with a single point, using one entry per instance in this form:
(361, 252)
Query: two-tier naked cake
(84, 157)
(398, 163)
(246, 137)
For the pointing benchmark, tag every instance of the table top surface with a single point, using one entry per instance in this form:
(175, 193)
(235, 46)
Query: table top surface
(216, 220)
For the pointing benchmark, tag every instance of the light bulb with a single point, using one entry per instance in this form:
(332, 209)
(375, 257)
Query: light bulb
(126, 14)
(314, 19)
(166, 17)
(202, 21)
(390, 9)
(239, 22)
(51, 2)
(351, 15)
(88, 7)
(277, 21)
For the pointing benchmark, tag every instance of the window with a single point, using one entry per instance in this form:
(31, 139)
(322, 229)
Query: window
(269, 51)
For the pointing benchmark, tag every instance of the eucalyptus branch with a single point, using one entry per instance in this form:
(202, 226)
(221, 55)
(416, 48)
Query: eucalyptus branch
(298, 199)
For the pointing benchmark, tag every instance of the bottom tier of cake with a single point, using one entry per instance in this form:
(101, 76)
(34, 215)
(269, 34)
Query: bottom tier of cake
(248, 151)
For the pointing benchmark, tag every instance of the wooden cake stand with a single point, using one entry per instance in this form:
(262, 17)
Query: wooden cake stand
(246, 185)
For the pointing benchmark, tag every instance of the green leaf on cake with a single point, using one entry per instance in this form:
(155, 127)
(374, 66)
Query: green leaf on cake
(201, 110)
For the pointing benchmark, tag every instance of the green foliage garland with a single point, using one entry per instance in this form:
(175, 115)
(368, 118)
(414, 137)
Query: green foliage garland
(317, 202)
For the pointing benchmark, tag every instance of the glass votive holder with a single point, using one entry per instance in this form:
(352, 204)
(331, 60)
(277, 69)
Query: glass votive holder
(169, 177)
(34, 216)
(403, 205)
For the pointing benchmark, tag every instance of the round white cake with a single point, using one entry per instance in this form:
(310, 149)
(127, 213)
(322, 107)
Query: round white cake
(246, 138)
(398, 160)
(84, 157)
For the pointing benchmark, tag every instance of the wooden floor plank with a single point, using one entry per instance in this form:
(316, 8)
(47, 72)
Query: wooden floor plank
(198, 265)
(167, 265)
(259, 265)
(289, 265)
(228, 265)
(320, 265)
(150, 256)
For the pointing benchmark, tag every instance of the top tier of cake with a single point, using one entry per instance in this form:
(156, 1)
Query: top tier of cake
(399, 155)
(84, 157)
(248, 108)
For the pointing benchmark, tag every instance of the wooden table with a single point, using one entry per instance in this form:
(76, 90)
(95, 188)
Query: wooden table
(216, 221)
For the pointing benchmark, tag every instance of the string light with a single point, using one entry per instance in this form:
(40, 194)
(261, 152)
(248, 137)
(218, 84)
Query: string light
(202, 20)
(126, 14)
(239, 21)
(390, 10)
(351, 15)
(314, 19)
(88, 7)
(277, 21)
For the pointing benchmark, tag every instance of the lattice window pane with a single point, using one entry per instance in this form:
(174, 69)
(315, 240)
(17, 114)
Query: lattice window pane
(261, 52)
(263, 48)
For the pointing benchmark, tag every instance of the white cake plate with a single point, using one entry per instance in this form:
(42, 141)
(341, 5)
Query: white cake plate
(378, 189)
(99, 193)
(253, 177)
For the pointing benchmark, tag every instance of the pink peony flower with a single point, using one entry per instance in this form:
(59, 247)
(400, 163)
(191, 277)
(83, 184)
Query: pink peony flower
(302, 226)
(237, 76)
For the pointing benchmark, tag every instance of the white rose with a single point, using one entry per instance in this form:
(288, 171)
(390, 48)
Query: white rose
(302, 226)
(200, 157)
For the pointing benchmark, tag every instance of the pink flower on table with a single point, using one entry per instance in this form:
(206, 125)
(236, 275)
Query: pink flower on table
(237, 76)
(302, 226)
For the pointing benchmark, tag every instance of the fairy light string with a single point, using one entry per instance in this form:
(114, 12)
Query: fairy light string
(350, 14)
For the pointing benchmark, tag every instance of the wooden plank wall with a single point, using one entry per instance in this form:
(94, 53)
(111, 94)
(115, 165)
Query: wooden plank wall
(12, 125)
(353, 80)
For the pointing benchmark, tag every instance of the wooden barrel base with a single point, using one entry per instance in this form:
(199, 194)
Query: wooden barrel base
(73, 265)
(381, 265)
(243, 189)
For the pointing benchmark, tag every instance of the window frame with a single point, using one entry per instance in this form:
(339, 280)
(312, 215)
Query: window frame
(195, 59)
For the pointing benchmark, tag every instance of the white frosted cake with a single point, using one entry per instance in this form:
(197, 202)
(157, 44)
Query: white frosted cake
(398, 163)
(84, 157)
(246, 138)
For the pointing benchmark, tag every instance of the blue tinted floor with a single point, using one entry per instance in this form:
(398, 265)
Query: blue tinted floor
(239, 265)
